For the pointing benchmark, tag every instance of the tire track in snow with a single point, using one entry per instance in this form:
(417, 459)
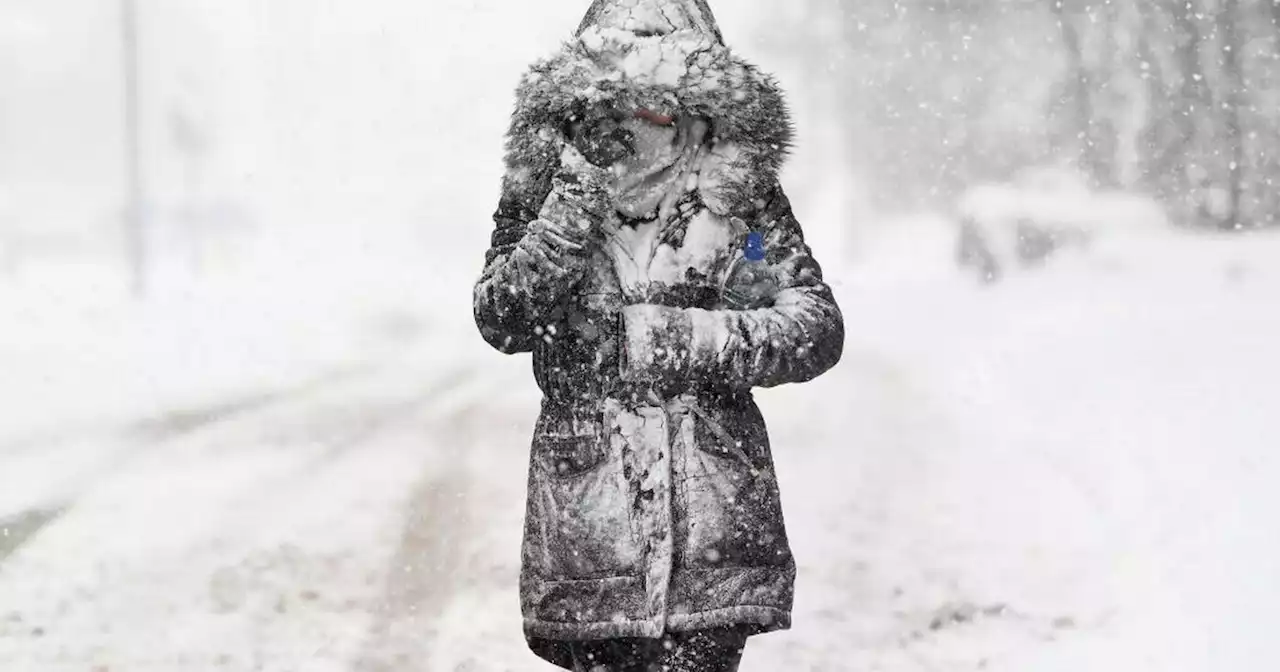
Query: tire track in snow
(420, 578)
(17, 529)
(124, 444)
(312, 437)
(460, 544)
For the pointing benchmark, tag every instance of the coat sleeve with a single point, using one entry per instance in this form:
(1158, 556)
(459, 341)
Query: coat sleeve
(525, 273)
(796, 339)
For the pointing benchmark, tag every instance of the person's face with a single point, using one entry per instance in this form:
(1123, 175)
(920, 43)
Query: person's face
(613, 136)
(653, 145)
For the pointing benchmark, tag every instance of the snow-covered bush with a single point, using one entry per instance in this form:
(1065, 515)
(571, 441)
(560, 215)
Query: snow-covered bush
(1039, 214)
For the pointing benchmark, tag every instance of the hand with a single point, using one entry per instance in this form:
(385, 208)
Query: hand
(591, 186)
(581, 198)
(547, 239)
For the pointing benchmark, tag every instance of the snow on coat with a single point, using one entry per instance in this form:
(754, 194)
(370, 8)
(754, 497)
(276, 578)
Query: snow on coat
(653, 505)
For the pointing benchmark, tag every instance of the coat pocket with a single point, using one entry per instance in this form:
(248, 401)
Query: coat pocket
(732, 434)
(570, 456)
(568, 446)
(734, 511)
(578, 524)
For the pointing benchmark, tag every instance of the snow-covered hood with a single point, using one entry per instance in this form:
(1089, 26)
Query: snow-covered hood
(652, 16)
(667, 56)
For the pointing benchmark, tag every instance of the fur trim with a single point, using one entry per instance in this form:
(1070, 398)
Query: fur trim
(681, 73)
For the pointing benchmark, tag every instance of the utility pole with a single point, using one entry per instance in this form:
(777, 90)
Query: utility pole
(135, 216)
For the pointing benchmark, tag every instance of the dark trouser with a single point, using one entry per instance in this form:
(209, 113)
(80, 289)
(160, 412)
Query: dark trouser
(712, 650)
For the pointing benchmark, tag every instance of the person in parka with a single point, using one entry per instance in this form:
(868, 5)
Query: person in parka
(646, 255)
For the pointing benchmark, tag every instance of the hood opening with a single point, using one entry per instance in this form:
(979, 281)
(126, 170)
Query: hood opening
(682, 71)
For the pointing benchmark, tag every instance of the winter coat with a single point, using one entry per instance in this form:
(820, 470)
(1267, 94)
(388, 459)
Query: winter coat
(652, 503)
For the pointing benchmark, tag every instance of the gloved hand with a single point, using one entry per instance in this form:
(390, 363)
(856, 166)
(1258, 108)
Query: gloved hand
(546, 252)
(580, 192)
(580, 200)
(568, 228)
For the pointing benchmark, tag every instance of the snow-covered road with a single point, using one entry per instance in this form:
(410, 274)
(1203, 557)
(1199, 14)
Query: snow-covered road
(283, 533)
(1071, 471)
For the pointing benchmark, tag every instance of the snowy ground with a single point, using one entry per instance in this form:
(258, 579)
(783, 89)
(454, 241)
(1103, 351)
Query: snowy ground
(1070, 470)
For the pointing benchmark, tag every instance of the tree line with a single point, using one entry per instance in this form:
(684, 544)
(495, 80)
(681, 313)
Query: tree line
(1178, 99)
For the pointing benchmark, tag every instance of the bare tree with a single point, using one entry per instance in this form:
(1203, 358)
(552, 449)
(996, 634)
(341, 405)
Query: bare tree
(1173, 97)
(1194, 112)
(1083, 124)
(1126, 98)
(1232, 100)
(1162, 130)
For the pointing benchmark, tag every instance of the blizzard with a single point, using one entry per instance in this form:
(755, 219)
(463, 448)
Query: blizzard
(311, 461)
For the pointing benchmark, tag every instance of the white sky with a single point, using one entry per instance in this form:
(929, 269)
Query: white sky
(312, 111)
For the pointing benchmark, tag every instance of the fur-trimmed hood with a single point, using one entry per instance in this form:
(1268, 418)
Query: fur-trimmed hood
(667, 56)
